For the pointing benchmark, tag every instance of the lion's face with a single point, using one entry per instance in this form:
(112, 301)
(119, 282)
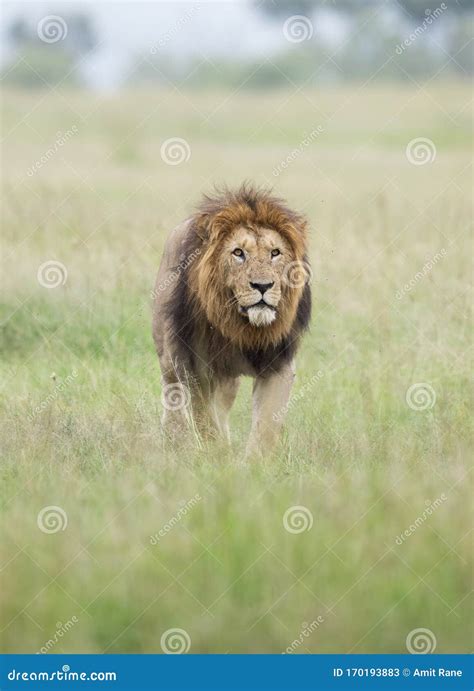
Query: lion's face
(253, 263)
(250, 276)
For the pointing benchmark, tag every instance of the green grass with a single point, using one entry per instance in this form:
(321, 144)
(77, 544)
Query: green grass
(363, 462)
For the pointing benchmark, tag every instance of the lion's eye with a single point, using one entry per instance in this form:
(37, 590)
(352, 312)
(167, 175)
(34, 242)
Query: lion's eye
(238, 253)
(275, 253)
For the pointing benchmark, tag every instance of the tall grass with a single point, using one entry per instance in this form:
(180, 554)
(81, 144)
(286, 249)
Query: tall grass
(354, 454)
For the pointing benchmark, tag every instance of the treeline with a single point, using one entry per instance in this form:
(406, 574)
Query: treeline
(401, 41)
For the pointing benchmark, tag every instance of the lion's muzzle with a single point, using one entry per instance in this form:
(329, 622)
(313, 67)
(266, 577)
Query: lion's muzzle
(259, 314)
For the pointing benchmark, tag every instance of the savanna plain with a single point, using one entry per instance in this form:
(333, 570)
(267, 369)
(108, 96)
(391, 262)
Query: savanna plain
(376, 449)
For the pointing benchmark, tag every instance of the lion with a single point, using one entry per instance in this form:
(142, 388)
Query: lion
(232, 298)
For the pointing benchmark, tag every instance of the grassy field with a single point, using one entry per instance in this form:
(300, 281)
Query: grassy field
(147, 540)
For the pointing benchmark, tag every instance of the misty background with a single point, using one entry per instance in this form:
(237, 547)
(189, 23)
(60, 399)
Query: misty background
(241, 44)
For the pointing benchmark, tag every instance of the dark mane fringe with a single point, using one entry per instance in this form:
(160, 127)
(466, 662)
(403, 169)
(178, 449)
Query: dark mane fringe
(182, 310)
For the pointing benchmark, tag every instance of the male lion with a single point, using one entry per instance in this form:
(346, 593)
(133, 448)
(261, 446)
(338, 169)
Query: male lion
(231, 298)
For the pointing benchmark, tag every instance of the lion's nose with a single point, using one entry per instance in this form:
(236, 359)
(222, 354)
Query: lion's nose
(262, 287)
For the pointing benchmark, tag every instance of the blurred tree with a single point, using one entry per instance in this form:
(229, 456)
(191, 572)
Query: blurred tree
(416, 8)
(81, 35)
(38, 61)
(459, 44)
(18, 32)
(76, 33)
(420, 8)
(278, 8)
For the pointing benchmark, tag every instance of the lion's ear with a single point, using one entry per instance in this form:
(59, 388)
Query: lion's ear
(201, 226)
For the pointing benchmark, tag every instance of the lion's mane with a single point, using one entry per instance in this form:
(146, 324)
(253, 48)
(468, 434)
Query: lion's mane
(199, 306)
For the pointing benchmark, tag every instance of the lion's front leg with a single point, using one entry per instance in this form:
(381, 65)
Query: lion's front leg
(223, 397)
(176, 400)
(196, 407)
(271, 394)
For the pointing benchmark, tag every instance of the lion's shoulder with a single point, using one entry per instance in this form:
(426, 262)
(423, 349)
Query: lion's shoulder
(176, 245)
